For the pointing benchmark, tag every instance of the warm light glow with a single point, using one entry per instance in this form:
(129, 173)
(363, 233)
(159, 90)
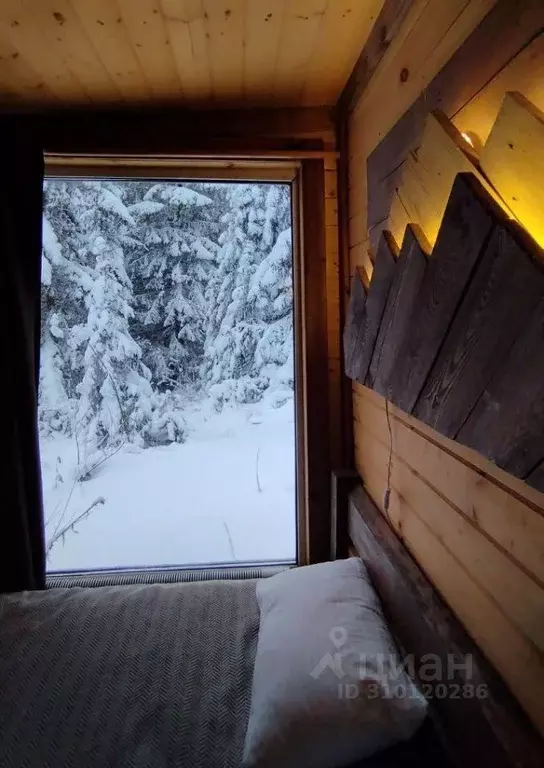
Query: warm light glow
(467, 139)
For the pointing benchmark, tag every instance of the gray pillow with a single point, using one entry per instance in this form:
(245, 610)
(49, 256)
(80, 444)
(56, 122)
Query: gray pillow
(328, 687)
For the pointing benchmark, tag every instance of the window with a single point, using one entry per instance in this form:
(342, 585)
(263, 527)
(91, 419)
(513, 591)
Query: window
(166, 401)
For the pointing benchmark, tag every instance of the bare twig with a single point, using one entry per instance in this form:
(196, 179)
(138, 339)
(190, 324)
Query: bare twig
(230, 541)
(70, 527)
(88, 472)
(257, 471)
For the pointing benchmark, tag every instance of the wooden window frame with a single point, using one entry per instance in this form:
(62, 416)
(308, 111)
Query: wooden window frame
(304, 172)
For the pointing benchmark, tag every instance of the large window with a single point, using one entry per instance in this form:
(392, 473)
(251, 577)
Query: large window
(166, 403)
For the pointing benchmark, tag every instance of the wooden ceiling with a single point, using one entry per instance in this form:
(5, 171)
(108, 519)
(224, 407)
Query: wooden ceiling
(190, 52)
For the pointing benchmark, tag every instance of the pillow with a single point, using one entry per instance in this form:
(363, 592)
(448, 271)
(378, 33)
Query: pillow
(328, 688)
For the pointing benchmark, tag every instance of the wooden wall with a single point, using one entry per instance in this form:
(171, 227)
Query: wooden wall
(477, 532)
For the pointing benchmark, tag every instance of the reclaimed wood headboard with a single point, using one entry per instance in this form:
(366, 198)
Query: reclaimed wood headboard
(474, 715)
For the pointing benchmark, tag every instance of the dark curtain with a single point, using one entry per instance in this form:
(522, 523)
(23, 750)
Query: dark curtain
(22, 548)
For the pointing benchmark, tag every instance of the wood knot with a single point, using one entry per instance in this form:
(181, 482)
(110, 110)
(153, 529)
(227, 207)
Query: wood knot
(404, 75)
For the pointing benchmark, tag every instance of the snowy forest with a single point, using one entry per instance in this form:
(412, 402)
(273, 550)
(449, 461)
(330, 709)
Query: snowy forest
(159, 301)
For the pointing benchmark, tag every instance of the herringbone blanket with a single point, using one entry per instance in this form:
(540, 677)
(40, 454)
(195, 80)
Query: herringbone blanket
(154, 675)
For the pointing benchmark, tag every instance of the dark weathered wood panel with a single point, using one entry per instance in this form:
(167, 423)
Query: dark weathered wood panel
(505, 289)
(409, 274)
(489, 731)
(383, 32)
(536, 477)
(469, 219)
(376, 299)
(354, 327)
(507, 424)
(504, 32)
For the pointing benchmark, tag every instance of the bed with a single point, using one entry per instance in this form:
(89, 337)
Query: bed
(146, 675)
(160, 675)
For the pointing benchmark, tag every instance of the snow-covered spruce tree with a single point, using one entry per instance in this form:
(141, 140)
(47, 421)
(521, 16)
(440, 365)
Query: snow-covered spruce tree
(255, 217)
(170, 273)
(55, 408)
(67, 276)
(271, 299)
(88, 308)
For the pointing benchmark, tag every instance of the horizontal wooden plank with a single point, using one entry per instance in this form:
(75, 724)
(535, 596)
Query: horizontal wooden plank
(513, 160)
(489, 731)
(378, 292)
(171, 131)
(514, 522)
(469, 219)
(507, 424)
(504, 646)
(505, 289)
(519, 598)
(409, 274)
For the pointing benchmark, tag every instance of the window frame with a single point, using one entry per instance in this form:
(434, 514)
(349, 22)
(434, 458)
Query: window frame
(304, 172)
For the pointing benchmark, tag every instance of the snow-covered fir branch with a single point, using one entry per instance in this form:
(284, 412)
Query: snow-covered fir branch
(151, 290)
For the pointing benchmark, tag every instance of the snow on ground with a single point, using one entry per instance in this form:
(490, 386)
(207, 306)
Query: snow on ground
(226, 495)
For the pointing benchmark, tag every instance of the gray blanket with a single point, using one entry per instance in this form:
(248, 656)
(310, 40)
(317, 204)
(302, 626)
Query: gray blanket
(154, 675)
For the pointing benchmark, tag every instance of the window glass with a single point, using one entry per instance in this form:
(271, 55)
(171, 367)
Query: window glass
(166, 401)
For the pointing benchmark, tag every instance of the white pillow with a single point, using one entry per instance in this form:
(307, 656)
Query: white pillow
(328, 688)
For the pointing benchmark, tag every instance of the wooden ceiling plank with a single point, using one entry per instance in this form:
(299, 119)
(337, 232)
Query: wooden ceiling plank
(301, 23)
(18, 81)
(20, 30)
(263, 35)
(345, 29)
(187, 29)
(62, 31)
(513, 160)
(151, 44)
(106, 32)
(226, 29)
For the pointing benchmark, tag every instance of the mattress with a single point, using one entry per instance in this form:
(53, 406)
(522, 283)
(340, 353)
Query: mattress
(147, 675)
